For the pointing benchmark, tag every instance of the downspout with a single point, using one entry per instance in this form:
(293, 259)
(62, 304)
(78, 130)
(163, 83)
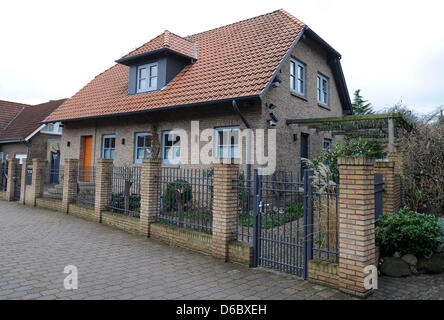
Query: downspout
(236, 108)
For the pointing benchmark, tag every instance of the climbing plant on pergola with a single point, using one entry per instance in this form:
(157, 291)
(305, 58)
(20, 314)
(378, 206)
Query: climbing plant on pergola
(373, 126)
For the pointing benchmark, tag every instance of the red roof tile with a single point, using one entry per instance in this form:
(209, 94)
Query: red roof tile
(29, 120)
(8, 110)
(236, 60)
(166, 40)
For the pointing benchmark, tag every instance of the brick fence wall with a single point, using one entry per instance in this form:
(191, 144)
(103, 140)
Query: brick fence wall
(122, 222)
(392, 192)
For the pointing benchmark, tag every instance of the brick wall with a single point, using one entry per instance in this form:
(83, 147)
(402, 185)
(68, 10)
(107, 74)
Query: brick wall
(323, 272)
(122, 222)
(81, 212)
(51, 204)
(240, 253)
(200, 242)
(356, 223)
(175, 236)
(224, 206)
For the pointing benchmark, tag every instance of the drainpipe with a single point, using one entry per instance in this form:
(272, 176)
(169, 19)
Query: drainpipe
(236, 108)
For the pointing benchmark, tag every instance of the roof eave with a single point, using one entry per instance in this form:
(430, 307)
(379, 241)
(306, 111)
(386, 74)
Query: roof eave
(11, 140)
(226, 100)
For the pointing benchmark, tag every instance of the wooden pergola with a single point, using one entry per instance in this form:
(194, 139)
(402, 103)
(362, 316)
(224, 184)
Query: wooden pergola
(373, 126)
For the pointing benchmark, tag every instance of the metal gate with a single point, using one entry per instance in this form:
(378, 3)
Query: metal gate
(280, 223)
(294, 221)
(3, 175)
(17, 181)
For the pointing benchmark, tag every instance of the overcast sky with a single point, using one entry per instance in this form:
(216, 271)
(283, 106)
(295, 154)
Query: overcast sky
(392, 50)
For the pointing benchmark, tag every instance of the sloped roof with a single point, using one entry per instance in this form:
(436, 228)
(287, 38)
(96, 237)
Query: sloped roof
(166, 40)
(29, 120)
(8, 110)
(237, 60)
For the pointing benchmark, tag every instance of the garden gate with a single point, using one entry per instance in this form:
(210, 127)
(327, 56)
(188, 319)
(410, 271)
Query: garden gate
(17, 181)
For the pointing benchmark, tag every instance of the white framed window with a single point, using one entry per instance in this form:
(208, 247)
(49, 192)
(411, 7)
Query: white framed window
(142, 146)
(147, 77)
(322, 89)
(108, 146)
(171, 147)
(297, 76)
(52, 128)
(227, 142)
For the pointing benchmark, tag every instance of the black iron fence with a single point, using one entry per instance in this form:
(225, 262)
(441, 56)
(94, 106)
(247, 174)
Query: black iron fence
(86, 186)
(52, 182)
(124, 196)
(324, 197)
(185, 198)
(3, 175)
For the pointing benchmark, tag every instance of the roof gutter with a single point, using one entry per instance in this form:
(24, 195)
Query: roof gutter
(12, 140)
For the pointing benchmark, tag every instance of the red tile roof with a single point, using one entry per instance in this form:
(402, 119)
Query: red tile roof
(166, 40)
(8, 110)
(29, 120)
(237, 60)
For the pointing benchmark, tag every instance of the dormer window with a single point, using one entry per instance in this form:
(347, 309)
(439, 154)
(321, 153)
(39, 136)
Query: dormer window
(147, 77)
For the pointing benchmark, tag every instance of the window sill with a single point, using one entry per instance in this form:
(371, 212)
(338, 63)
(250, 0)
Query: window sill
(297, 95)
(323, 106)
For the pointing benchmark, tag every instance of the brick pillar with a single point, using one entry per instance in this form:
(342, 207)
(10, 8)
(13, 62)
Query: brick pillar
(37, 181)
(356, 223)
(224, 206)
(104, 172)
(391, 187)
(69, 183)
(23, 181)
(399, 159)
(149, 194)
(10, 183)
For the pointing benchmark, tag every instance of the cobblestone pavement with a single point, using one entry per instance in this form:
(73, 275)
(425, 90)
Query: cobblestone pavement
(36, 245)
(423, 287)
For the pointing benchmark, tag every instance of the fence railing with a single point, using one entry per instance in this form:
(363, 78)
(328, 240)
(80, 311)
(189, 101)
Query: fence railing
(325, 218)
(86, 186)
(244, 190)
(3, 175)
(124, 195)
(185, 198)
(52, 182)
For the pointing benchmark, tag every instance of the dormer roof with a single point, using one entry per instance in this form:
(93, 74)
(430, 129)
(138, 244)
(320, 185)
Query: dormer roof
(166, 41)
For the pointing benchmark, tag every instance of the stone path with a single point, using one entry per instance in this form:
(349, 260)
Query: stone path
(36, 245)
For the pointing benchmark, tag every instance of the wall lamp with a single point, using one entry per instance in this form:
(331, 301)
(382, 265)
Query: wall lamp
(276, 82)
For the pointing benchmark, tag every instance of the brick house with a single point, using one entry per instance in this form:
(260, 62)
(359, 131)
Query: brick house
(271, 67)
(22, 134)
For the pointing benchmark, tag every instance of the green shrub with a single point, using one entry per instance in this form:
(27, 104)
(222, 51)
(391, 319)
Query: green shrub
(177, 193)
(272, 219)
(349, 148)
(117, 201)
(408, 232)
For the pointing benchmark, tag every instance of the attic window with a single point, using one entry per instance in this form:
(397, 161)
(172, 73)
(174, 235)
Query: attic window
(147, 77)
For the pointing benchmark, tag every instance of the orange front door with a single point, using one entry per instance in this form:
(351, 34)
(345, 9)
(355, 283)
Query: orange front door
(85, 175)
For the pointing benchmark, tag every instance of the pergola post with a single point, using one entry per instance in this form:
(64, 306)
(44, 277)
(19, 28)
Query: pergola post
(391, 135)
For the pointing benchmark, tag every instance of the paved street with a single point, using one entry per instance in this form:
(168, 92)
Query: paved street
(36, 245)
